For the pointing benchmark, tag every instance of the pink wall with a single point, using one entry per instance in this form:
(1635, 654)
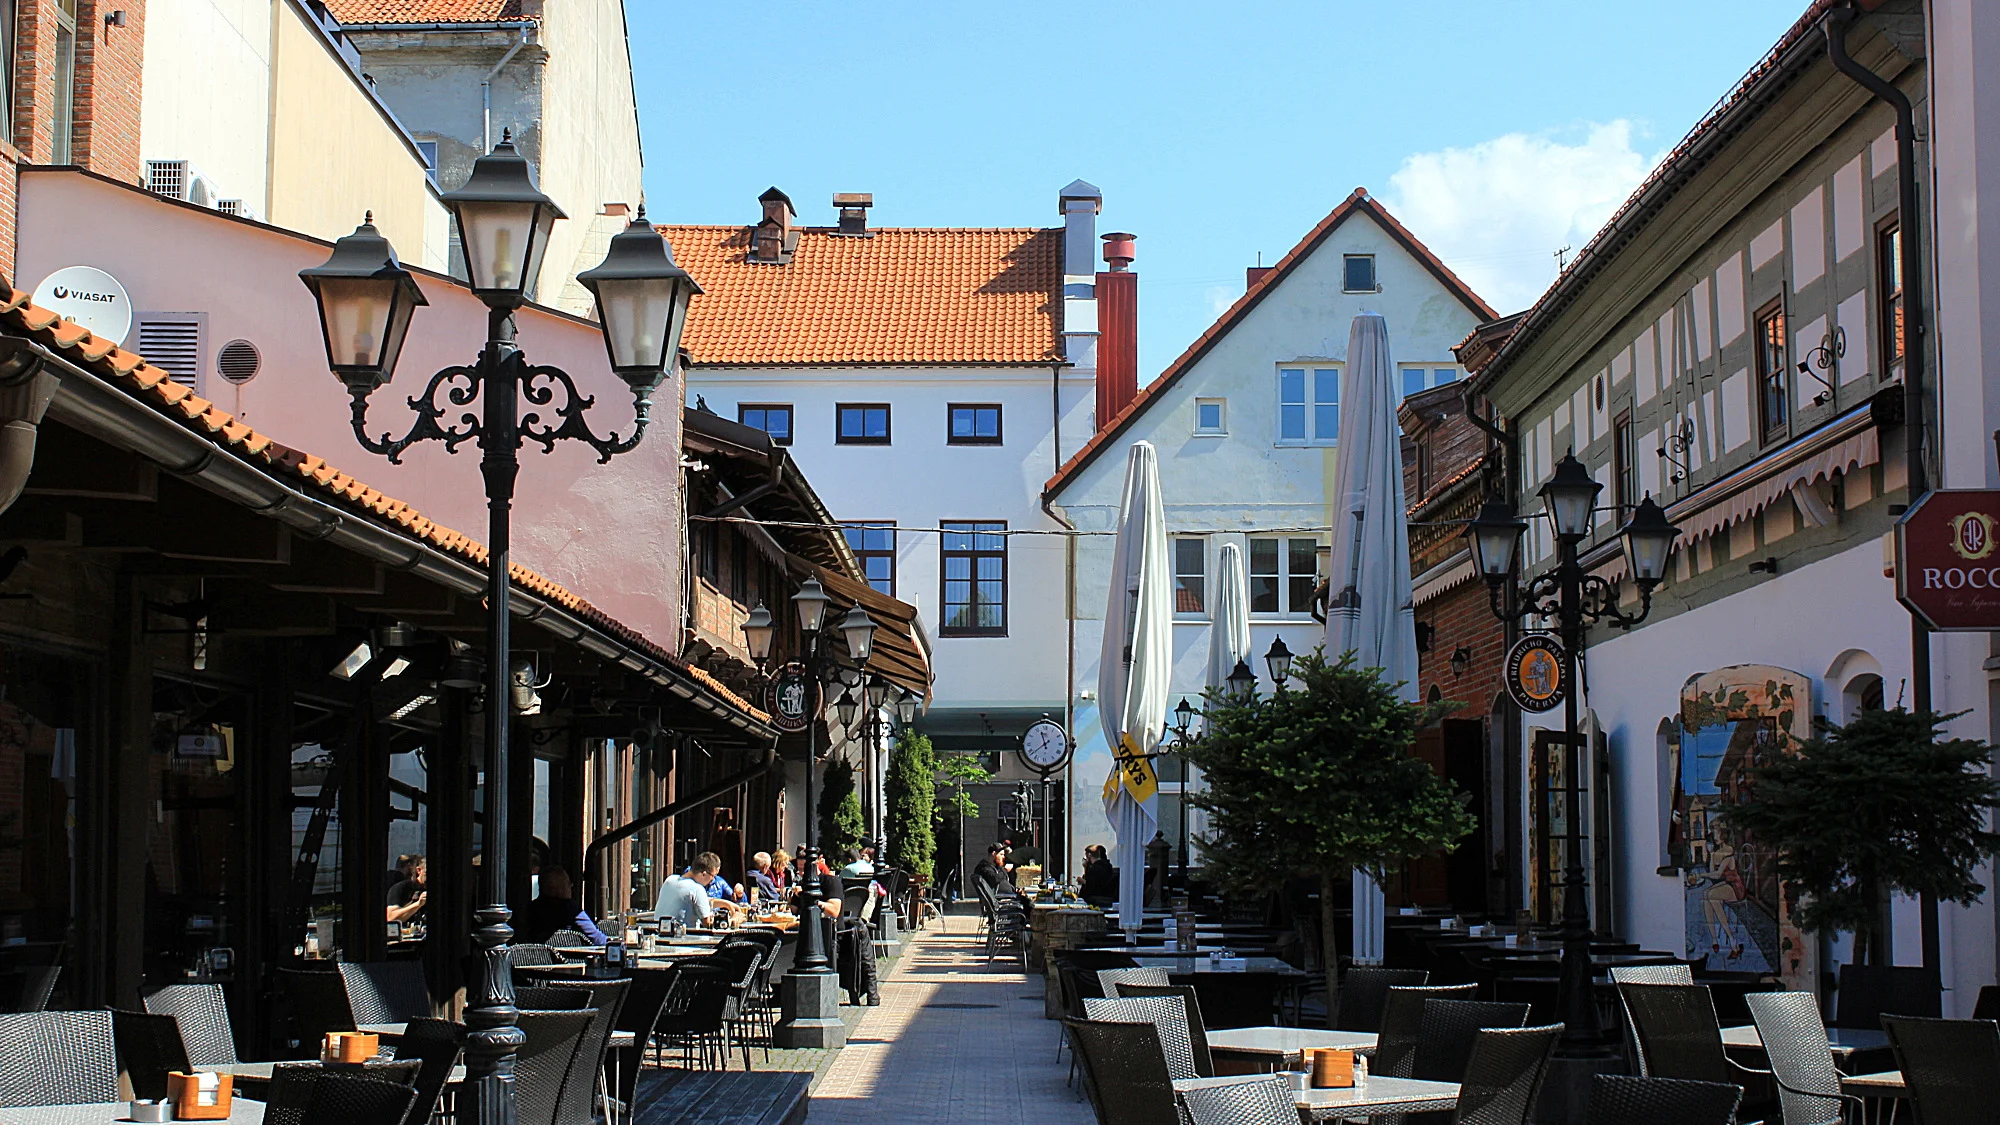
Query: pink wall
(611, 533)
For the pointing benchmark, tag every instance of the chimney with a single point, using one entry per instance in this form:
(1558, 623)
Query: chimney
(1078, 204)
(1254, 274)
(1118, 329)
(773, 238)
(853, 207)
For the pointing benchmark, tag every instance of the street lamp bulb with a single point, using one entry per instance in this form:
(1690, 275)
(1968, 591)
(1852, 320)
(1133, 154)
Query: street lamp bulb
(811, 602)
(1649, 542)
(859, 629)
(1571, 497)
(1279, 661)
(1495, 536)
(759, 629)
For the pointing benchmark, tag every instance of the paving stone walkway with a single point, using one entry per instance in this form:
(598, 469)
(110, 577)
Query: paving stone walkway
(956, 1041)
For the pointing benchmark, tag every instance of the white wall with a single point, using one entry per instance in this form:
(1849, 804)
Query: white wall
(590, 134)
(207, 92)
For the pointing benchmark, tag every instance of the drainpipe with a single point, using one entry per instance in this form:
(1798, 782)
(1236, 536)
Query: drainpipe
(1914, 412)
(486, 93)
(25, 392)
(1069, 682)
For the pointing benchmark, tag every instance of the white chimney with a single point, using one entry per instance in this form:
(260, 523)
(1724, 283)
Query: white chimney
(1079, 204)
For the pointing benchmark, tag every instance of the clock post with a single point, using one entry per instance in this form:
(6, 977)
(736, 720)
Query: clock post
(1045, 749)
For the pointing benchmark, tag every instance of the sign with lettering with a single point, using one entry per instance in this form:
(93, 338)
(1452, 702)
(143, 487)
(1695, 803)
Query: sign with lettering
(1537, 673)
(1947, 564)
(793, 701)
(88, 296)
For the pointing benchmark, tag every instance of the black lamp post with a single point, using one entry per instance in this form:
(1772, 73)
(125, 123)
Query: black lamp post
(366, 301)
(1279, 661)
(1184, 714)
(1242, 682)
(1575, 599)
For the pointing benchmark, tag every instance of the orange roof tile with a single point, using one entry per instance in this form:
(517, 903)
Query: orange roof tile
(151, 386)
(1357, 202)
(429, 11)
(939, 295)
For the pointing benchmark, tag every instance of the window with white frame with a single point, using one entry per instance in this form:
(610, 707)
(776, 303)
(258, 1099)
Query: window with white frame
(1282, 575)
(1422, 378)
(1308, 404)
(1190, 574)
(1211, 416)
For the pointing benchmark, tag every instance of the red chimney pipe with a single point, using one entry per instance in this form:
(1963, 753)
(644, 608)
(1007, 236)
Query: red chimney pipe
(1117, 329)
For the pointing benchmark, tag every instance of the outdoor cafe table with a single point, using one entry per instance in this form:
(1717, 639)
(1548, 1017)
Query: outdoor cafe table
(242, 1111)
(1375, 1097)
(1844, 1040)
(1274, 1045)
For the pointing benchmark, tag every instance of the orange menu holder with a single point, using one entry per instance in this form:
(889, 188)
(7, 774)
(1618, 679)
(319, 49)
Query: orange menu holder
(1332, 1067)
(350, 1047)
(192, 1102)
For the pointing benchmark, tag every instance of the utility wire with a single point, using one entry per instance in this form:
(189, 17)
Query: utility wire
(807, 525)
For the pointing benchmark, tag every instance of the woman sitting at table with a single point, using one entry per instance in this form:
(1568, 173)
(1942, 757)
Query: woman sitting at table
(1100, 879)
(555, 909)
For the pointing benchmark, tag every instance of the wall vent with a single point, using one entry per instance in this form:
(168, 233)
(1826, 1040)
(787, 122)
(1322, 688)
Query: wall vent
(180, 179)
(172, 343)
(238, 361)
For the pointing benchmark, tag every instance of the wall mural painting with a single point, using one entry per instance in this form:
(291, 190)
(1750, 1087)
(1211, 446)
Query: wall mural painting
(1737, 915)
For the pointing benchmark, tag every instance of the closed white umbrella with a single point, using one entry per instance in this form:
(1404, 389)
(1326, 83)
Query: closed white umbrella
(1229, 629)
(1134, 672)
(1369, 608)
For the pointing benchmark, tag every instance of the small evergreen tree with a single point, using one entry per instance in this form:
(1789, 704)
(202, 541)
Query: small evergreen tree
(840, 823)
(1881, 805)
(1318, 780)
(910, 793)
(957, 771)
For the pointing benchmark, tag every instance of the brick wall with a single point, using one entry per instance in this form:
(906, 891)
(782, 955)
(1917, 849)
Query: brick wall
(34, 88)
(108, 63)
(1462, 618)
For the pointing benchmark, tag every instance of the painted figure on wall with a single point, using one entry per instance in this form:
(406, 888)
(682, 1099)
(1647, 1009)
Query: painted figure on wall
(1737, 914)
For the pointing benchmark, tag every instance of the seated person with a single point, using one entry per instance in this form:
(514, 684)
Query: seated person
(408, 898)
(687, 897)
(1100, 879)
(760, 878)
(859, 864)
(995, 873)
(555, 909)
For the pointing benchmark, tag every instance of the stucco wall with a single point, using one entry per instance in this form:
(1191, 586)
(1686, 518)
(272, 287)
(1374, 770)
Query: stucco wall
(590, 140)
(209, 98)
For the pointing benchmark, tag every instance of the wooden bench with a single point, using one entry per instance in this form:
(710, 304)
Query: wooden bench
(731, 1097)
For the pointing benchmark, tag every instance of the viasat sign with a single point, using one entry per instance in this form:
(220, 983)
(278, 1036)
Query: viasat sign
(1948, 562)
(87, 296)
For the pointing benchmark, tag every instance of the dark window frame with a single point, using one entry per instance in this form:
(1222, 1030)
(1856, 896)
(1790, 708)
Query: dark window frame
(1374, 278)
(840, 410)
(946, 554)
(863, 554)
(1624, 465)
(951, 418)
(1774, 415)
(1889, 293)
(791, 419)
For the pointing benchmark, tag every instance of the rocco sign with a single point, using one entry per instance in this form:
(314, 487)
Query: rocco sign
(1948, 560)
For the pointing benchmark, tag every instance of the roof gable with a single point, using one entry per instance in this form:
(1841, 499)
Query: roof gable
(1360, 203)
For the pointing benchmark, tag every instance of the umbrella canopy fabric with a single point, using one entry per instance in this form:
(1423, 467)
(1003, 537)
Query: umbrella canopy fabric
(1370, 611)
(1229, 635)
(1135, 670)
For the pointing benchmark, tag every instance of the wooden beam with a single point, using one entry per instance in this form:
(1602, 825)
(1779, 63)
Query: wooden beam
(404, 595)
(247, 609)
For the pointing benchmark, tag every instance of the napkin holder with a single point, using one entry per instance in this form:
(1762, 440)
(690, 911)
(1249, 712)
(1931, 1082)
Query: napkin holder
(1332, 1068)
(350, 1048)
(201, 1096)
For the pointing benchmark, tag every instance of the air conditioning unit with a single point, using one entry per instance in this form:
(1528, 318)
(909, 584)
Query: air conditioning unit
(236, 207)
(180, 179)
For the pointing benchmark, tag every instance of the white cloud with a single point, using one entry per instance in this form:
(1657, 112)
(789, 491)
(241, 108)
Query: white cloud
(1497, 212)
(1220, 297)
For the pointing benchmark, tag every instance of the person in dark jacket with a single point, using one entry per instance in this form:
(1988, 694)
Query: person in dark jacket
(1100, 879)
(993, 872)
(555, 909)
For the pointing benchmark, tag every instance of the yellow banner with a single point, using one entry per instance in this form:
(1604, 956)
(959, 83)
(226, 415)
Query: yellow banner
(1134, 772)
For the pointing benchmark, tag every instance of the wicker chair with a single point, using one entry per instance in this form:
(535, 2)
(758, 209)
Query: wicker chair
(1260, 1099)
(1644, 974)
(434, 1045)
(1152, 975)
(695, 1018)
(1403, 1022)
(1801, 1058)
(1617, 1099)
(548, 974)
(743, 959)
(1503, 1073)
(1448, 1030)
(1869, 992)
(1167, 1014)
(57, 1058)
(580, 1083)
(639, 1015)
(1364, 991)
(204, 1019)
(319, 1004)
(1204, 1064)
(1952, 1067)
(291, 1096)
(386, 991)
(550, 997)
(544, 1061)
(37, 984)
(1987, 1006)
(345, 1099)
(1678, 1034)
(530, 954)
(149, 1046)
(566, 939)
(1124, 1072)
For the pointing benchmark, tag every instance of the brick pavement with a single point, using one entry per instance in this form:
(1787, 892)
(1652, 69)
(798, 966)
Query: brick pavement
(921, 1059)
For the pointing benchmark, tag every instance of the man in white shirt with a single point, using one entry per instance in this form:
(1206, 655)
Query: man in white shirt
(686, 896)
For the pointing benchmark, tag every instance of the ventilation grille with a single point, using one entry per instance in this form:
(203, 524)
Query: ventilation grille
(232, 207)
(173, 346)
(168, 178)
(238, 361)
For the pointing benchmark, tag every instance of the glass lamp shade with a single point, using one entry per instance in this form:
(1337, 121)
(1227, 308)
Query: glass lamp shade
(906, 707)
(503, 225)
(845, 708)
(758, 631)
(878, 694)
(1495, 537)
(1183, 717)
(1649, 542)
(1571, 497)
(366, 299)
(811, 602)
(642, 303)
(859, 629)
(1279, 661)
(1242, 681)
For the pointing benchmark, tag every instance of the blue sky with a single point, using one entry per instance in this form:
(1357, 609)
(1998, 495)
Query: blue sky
(1497, 130)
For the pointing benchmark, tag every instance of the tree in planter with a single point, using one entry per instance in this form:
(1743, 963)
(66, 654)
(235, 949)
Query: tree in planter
(1880, 806)
(1318, 780)
(840, 823)
(957, 771)
(911, 793)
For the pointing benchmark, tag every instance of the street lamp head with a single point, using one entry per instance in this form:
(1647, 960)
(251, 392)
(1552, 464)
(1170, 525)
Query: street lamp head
(906, 707)
(759, 629)
(845, 708)
(1279, 661)
(642, 303)
(1242, 682)
(503, 224)
(1183, 717)
(859, 629)
(811, 602)
(1571, 497)
(366, 299)
(1495, 536)
(1649, 541)
(878, 694)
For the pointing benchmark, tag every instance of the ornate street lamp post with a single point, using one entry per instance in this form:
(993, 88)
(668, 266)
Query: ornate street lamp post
(1179, 736)
(1574, 599)
(366, 302)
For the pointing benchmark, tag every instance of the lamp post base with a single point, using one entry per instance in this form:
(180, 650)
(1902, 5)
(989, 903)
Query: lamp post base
(1565, 1096)
(810, 1003)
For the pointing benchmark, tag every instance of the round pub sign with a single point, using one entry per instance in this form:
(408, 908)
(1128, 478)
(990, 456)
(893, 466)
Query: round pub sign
(792, 700)
(1947, 568)
(1536, 677)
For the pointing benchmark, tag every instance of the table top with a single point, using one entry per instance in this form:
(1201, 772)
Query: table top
(386, 1030)
(261, 1071)
(1599, 959)
(1881, 1084)
(1177, 963)
(1376, 1096)
(242, 1111)
(1285, 1040)
(1845, 1040)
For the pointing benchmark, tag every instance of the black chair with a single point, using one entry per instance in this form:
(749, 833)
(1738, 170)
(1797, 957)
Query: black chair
(1678, 1034)
(1167, 1014)
(1259, 1099)
(566, 939)
(319, 1004)
(1617, 1099)
(695, 1018)
(544, 974)
(580, 1083)
(57, 1058)
(292, 1097)
(1951, 1067)
(1643, 974)
(1204, 1062)
(1403, 1022)
(1801, 1058)
(1869, 992)
(550, 997)
(386, 991)
(1448, 1030)
(1124, 1072)
(1503, 1074)
(434, 1045)
(639, 1015)
(34, 985)
(544, 1061)
(203, 1014)
(1363, 992)
(519, 956)
(1987, 1007)
(348, 1099)
(149, 1047)
(743, 959)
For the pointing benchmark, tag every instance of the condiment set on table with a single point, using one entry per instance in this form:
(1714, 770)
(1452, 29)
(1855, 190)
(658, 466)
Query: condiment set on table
(1329, 1068)
(200, 1096)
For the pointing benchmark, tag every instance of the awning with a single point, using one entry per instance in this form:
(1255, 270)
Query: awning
(902, 650)
(1443, 578)
(1846, 444)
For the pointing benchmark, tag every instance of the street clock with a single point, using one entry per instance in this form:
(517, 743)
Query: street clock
(1045, 747)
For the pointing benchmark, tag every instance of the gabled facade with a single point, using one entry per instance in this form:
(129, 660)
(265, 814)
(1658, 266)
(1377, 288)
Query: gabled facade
(1246, 422)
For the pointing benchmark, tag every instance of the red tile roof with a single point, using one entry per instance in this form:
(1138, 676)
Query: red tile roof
(430, 11)
(1359, 202)
(155, 388)
(937, 295)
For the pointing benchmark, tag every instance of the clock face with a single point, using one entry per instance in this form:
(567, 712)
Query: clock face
(1045, 745)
